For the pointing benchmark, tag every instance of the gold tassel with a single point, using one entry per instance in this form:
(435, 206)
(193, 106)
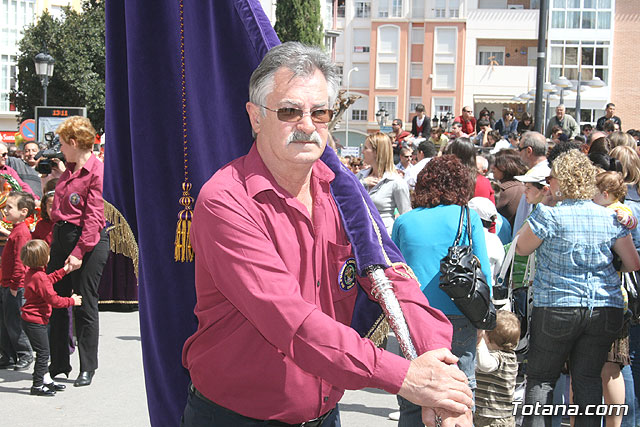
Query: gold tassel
(183, 249)
(379, 331)
(121, 238)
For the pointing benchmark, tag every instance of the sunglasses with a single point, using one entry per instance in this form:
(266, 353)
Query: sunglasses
(290, 115)
(4, 154)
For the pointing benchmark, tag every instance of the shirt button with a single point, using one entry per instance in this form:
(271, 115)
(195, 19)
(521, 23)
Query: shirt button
(326, 399)
(318, 283)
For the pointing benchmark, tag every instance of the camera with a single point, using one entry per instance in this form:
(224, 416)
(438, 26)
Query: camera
(51, 152)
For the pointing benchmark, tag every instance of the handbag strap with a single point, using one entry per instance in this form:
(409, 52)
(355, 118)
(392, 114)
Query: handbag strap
(456, 242)
(466, 208)
(507, 266)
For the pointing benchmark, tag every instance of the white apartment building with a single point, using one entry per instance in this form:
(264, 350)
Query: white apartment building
(14, 16)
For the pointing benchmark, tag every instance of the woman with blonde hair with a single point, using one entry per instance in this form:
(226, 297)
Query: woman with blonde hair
(385, 186)
(621, 138)
(79, 241)
(577, 303)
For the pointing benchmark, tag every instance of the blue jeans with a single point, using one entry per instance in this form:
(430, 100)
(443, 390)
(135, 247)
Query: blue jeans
(201, 413)
(558, 333)
(634, 354)
(463, 345)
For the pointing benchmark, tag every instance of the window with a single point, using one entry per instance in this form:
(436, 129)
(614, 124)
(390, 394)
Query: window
(360, 78)
(387, 57)
(361, 39)
(490, 55)
(446, 9)
(340, 72)
(340, 9)
(413, 103)
(359, 115)
(7, 80)
(568, 57)
(417, 9)
(391, 8)
(416, 70)
(417, 35)
(445, 57)
(581, 14)
(363, 9)
(441, 106)
(389, 104)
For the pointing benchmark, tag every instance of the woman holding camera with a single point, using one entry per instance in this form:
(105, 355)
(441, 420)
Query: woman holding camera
(79, 240)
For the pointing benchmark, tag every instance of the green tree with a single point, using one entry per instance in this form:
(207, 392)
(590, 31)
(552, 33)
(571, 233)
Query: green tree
(77, 44)
(299, 20)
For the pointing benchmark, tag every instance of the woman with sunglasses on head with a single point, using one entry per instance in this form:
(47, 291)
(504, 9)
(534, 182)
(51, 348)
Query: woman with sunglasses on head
(79, 240)
(386, 187)
(578, 304)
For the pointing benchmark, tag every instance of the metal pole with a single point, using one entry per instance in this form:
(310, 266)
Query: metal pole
(561, 95)
(541, 63)
(578, 96)
(346, 139)
(546, 112)
(45, 83)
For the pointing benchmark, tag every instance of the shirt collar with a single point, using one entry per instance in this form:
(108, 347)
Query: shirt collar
(258, 178)
(88, 166)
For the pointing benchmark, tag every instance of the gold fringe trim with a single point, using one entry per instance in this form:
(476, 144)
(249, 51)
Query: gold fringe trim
(117, 302)
(379, 331)
(121, 238)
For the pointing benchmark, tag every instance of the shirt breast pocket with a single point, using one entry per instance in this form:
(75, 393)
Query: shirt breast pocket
(342, 271)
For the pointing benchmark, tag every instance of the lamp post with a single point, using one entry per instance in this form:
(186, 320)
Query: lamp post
(596, 82)
(548, 89)
(382, 115)
(347, 119)
(563, 84)
(44, 69)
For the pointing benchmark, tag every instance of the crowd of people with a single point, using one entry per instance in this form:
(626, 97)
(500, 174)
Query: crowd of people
(53, 256)
(569, 203)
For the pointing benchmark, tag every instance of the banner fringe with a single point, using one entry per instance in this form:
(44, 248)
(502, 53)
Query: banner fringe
(121, 238)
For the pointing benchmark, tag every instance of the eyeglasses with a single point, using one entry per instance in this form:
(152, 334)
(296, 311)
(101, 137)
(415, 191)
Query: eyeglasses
(290, 115)
(4, 154)
(466, 111)
(522, 148)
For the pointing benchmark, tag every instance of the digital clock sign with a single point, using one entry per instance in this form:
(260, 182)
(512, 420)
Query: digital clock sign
(49, 118)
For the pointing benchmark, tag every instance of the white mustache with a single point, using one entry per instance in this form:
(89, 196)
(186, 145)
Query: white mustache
(299, 135)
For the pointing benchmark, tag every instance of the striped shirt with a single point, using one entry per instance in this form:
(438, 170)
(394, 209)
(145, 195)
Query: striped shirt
(494, 390)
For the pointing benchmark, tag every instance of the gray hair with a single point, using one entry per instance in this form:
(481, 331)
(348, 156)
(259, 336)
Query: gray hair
(536, 141)
(5, 145)
(301, 60)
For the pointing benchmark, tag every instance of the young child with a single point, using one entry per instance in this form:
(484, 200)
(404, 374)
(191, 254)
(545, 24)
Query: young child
(496, 371)
(44, 227)
(612, 189)
(36, 311)
(14, 344)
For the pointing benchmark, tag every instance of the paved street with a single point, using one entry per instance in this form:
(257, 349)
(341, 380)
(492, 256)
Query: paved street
(117, 395)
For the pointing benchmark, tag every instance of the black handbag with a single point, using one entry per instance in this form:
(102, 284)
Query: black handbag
(464, 282)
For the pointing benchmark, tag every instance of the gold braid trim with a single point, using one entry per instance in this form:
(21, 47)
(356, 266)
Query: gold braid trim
(114, 301)
(121, 238)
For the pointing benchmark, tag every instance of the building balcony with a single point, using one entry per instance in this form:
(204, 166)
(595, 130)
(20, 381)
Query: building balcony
(503, 23)
(500, 82)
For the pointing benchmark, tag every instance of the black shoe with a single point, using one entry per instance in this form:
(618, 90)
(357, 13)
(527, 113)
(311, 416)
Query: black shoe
(6, 362)
(23, 363)
(55, 386)
(55, 372)
(42, 391)
(84, 379)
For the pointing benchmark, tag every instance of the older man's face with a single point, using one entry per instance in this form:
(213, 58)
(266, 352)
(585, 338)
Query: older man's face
(30, 151)
(297, 142)
(560, 113)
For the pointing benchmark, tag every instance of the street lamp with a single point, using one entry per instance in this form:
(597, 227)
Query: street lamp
(382, 114)
(44, 69)
(596, 82)
(347, 119)
(563, 84)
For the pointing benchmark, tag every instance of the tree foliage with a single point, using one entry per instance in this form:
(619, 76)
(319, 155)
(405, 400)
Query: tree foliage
(299, 20)
(77, 43)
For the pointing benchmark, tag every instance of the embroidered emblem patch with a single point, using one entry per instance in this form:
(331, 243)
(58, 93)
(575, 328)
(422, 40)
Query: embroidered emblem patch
(74, 198)
(347, 276)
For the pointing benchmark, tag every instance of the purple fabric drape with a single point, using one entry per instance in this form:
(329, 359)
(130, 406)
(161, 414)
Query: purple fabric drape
(224, 42)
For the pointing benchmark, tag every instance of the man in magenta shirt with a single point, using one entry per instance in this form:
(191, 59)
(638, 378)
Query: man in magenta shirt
(273, 302)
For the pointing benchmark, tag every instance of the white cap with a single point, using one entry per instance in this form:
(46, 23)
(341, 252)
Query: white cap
(484, 207)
